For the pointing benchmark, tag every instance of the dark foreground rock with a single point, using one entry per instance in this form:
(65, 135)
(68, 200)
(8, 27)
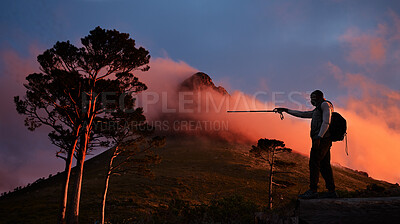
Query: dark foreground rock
(349, 210)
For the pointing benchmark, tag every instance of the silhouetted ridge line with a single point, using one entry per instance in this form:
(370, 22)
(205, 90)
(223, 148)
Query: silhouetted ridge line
(200, 81)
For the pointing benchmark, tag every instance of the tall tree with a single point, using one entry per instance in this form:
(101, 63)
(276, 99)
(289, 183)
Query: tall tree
(51, 99)
(104, 63)
(267, 150)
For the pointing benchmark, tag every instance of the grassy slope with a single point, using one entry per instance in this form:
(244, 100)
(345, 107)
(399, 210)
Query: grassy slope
(192, 169)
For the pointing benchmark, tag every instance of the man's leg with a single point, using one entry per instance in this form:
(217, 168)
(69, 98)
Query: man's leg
(314, 165)
(326, 169)
(314, 174)
(317, 155)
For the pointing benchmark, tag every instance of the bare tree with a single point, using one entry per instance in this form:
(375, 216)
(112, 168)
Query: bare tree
(129, 136)
(131, 156)
(51, 99)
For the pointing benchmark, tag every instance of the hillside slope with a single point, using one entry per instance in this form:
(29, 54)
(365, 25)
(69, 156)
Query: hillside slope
(193, 169)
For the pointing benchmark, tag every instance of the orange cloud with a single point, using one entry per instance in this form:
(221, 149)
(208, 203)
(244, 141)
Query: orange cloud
(162, 81)
(379, 46)
(373, 114)
(374, 147)
(366, 48)
(368, 98)
(372, 111)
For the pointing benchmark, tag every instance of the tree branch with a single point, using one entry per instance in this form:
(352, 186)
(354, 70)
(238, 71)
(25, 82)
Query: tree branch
(282, 172)
(280, 185)
(62, 157)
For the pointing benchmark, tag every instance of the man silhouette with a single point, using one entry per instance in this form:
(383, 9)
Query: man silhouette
(320, 155)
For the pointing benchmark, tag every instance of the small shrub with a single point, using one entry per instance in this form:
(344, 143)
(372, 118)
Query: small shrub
(375, 188)
(233, 209)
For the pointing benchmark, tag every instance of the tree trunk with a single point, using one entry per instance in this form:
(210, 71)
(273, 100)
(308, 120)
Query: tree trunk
(271, 175)
(270, 189)
(109, 170)
(74, 208)
(87, 126)
(67, 173)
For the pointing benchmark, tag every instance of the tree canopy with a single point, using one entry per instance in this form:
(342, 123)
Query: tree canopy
(79, 87)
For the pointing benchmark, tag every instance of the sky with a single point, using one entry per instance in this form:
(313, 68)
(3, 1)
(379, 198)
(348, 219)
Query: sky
(348, 49)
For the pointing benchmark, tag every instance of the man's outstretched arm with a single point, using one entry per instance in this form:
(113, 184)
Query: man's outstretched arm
(296, 113)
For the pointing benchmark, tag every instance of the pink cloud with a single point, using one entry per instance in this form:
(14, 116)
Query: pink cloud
(372, 111)
(20, 148)
(365, 48)
(379, 46)
(373, 114)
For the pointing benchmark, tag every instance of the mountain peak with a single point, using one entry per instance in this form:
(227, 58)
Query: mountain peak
(201, 81)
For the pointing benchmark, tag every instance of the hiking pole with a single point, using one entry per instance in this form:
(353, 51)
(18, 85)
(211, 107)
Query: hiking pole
(256, 111)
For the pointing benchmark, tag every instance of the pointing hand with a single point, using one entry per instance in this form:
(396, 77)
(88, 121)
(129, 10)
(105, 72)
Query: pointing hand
(281, 109)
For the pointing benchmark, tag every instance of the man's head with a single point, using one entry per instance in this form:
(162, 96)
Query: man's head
(317, 97)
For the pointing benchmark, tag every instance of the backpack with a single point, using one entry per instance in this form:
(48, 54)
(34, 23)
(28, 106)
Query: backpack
(338, 126)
